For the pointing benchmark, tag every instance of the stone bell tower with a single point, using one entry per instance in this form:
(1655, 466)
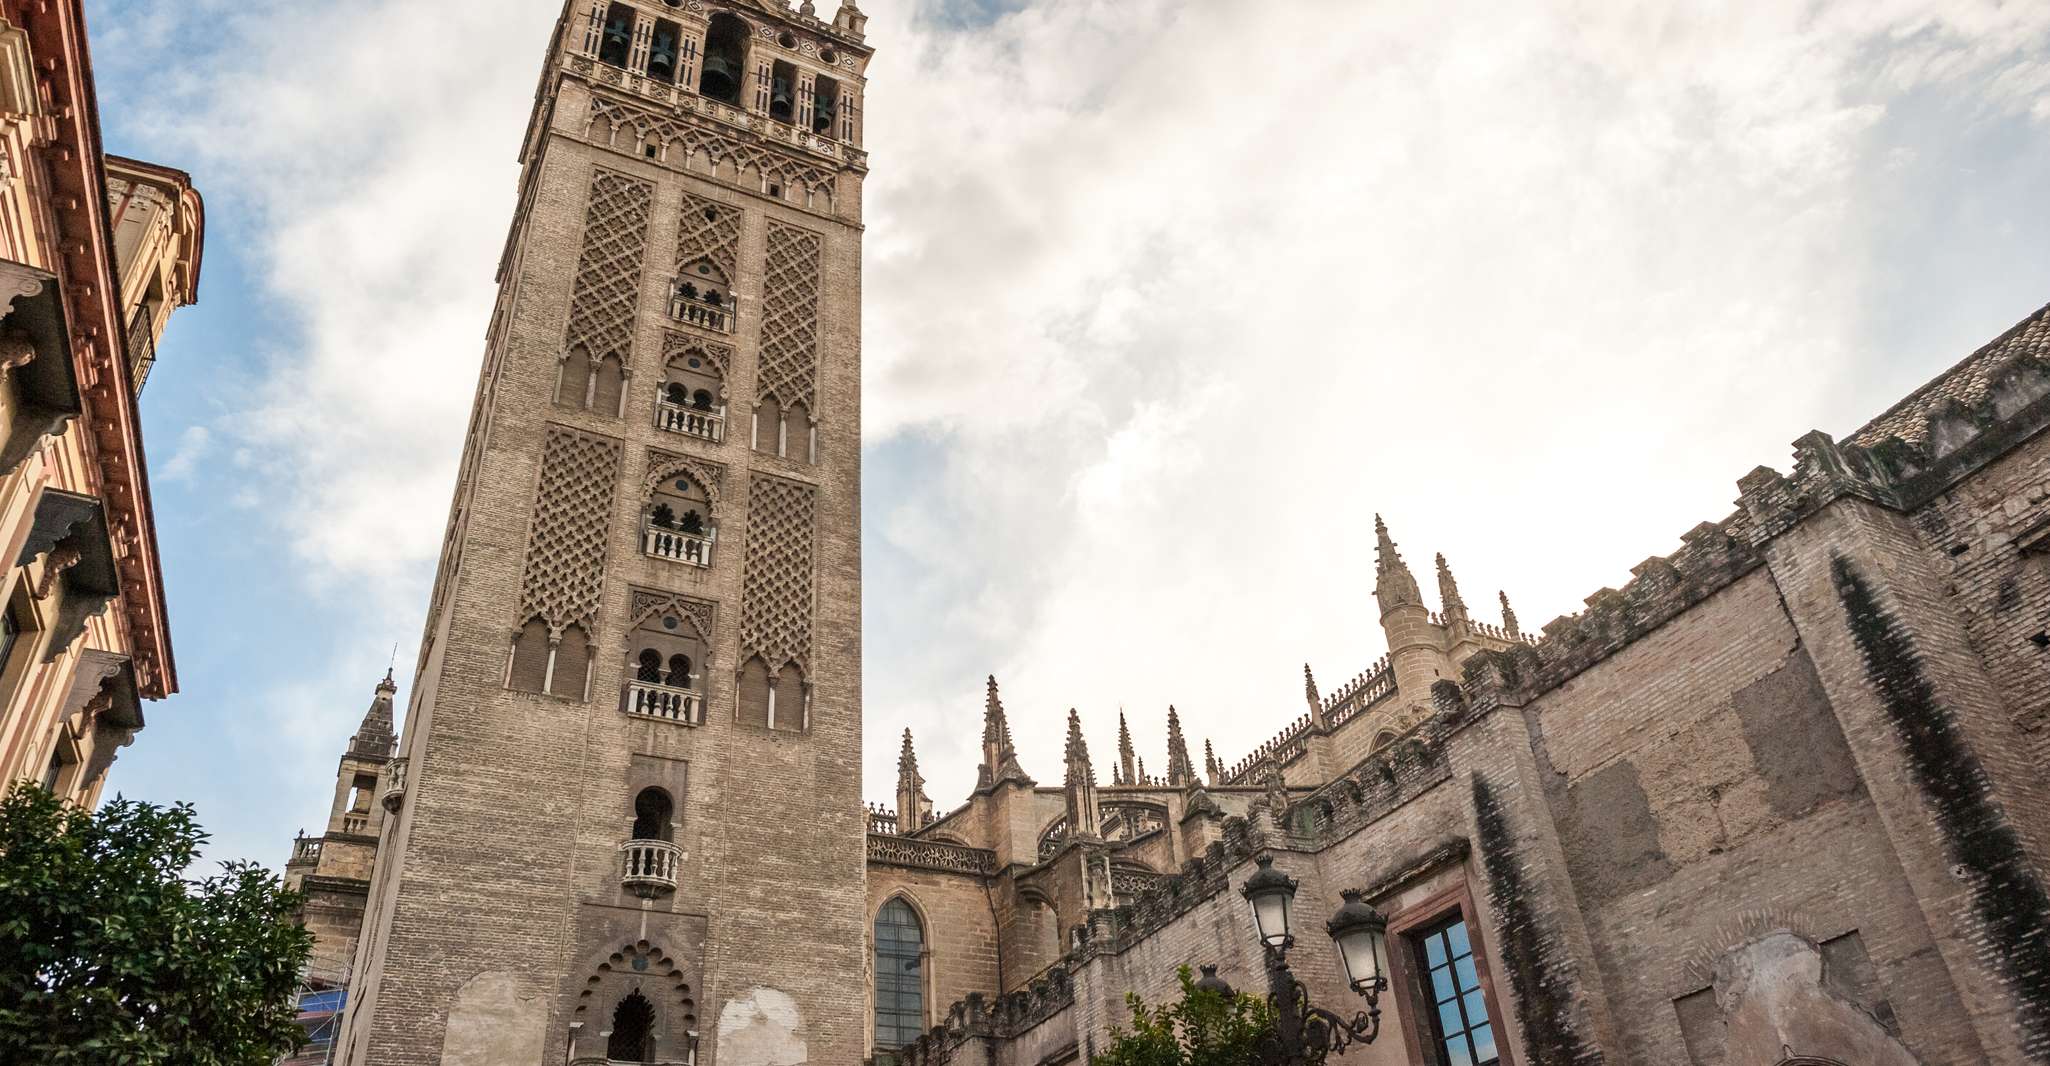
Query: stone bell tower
(626, 820)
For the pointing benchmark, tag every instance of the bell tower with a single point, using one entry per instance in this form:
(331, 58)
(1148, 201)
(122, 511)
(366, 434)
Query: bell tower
(628, 823)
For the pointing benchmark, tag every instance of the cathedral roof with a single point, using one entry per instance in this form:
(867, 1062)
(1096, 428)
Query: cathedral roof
(1967, 383)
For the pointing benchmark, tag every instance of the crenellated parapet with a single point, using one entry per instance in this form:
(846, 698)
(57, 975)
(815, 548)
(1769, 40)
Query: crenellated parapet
(977, 1017)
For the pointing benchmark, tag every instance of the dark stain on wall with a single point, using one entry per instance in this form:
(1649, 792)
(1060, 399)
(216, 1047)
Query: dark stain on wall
(1542, 982)
(2007, 898)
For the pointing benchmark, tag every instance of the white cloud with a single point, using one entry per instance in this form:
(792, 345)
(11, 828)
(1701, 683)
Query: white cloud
(193, 445)
(1164, 299)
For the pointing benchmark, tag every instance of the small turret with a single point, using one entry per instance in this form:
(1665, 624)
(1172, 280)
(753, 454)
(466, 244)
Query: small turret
(1394, 585)
(375, 737)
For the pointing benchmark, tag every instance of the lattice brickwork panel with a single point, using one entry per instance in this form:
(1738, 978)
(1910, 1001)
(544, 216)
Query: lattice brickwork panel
(775, 618)
(608, 283)
(790, 318)
(572, 516)
(709, 230)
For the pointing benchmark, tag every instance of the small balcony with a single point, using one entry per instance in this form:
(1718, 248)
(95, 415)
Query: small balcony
(666, 542)
(647, 868)
(306, 850)
(706, 310)
(645, 699)
(356, 822)
(395, 784)
(704, 423)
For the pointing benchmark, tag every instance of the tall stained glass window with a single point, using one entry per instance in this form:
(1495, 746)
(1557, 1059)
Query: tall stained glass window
(900, 975)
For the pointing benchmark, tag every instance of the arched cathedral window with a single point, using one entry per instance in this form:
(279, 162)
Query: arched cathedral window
(900, 975)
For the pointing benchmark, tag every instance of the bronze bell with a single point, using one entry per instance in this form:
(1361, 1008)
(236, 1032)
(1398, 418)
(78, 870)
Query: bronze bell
(722, 76)
(779, 95)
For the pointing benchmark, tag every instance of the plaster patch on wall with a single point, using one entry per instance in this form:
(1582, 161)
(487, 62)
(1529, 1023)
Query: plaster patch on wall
(762, 1028)
(490, 1022)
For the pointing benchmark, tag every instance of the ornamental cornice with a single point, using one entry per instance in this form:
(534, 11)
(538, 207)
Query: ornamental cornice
(742, 128)
(930, 855)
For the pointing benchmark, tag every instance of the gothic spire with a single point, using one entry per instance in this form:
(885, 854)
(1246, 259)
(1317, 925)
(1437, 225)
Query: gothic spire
(374, 737)
(914, 808)
(1212, 769)
(1180, 772)
(1394, 585)
(1310, 687)
(1079, 770)
(1085, 817)
(1451, 606)
(907, 759)
(1509, 625)
(1125, 771)
(999, 757)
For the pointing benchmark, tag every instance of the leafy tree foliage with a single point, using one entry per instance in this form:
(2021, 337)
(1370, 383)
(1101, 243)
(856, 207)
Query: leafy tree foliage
(1204, 1029)
(110, 957)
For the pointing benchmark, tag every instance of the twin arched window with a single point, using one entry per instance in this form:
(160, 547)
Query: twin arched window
(650, 669)
(900, 975)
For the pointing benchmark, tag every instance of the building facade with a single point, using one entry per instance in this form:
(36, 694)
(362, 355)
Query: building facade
(624, 818)
(95, 253)
(1778, 800)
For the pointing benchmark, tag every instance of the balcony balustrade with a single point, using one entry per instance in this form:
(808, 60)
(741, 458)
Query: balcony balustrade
(648, 867)
(714, 315)
(663, 542)
(358, 824)
(306, 850)
(645, 699)
(703, 423)
(395, 784)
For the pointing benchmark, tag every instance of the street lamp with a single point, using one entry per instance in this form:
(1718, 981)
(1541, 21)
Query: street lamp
(1305, 1034)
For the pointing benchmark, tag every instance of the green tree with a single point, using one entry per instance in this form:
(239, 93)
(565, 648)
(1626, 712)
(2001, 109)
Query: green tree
(1205, 1029)
(109, 956)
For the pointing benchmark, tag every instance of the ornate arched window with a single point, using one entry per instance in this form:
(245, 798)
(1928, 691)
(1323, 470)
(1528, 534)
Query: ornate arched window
(649, 667)
(678, 522)
(633, 1030)
(900, 975)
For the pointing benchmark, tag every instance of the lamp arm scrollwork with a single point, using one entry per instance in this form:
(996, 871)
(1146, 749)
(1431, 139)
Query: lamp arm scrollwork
(1305, 1034)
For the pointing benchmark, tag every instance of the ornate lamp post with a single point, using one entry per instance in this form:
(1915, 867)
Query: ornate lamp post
(1306, 1034)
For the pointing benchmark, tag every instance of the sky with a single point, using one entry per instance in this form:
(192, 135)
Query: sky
(1164, 300)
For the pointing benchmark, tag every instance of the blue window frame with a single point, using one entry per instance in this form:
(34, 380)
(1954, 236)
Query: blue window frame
(1463, 1034)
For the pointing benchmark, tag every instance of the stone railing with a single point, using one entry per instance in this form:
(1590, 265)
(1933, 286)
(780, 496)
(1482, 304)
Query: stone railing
(645, 699)
(648, 867)
(930, 855)
(306, 849)
(703, 423)
(714, 315)
(358, 824)
(882, 820)
(395, 784)
(678, 546)
(1045, 996)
